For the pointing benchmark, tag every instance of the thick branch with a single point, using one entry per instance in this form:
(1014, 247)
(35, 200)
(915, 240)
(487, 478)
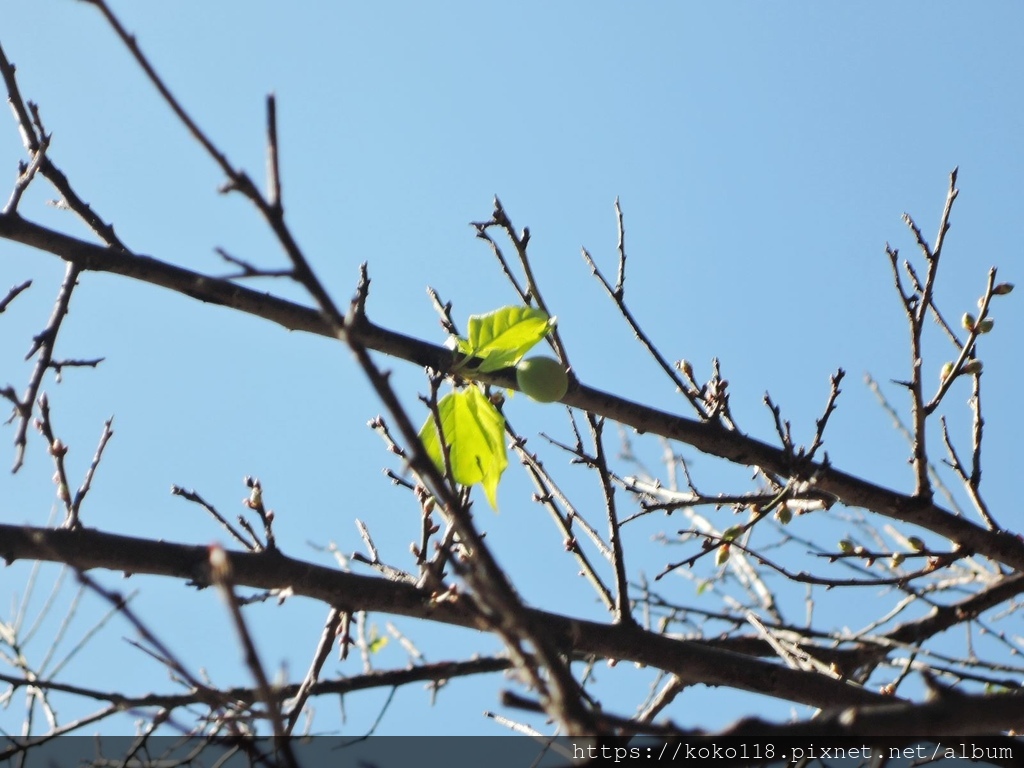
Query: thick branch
(692, 661)
(708, 437)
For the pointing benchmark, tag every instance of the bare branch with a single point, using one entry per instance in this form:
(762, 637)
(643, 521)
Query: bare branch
(13, 294)
(710, 438)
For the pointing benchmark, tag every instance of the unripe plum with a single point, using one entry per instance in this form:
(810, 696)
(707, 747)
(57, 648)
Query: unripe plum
(543, 379)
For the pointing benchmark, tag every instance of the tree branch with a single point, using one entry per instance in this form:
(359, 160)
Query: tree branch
(710, 438)
(693, 661)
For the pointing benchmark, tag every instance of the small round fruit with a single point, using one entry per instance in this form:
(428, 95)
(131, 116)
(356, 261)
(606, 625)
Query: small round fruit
(542, 379)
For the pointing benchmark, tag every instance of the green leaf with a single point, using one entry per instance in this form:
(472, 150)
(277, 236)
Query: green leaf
(475, 433)
(723, 555)
(731, 533)
(501, 338)
(377, 641)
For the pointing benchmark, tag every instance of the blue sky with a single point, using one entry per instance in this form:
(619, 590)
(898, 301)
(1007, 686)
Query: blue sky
(762, 154)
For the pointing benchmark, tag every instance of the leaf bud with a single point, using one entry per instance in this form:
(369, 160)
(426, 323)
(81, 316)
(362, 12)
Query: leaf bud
(972, 366)
(723, 555)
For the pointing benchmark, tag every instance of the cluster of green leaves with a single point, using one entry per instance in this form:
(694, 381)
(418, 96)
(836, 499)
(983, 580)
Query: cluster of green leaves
(472, 429)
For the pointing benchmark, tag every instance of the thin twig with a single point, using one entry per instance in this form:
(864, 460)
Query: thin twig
(43, 346)
(251, 544)
(833, 395)
(273, 158)
(220, 569)
(617, 294)
(323, 650)
(623, 606)
(13, 294)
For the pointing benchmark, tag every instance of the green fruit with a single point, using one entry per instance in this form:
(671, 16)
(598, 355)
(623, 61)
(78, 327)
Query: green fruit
(542, 379)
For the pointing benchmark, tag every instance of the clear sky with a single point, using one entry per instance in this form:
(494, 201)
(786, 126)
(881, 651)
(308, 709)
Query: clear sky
(763, 154)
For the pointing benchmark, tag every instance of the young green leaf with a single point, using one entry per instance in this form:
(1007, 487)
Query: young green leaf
(731, 533)
(377, 641)
(475, 433)
(722, 556)
(501, 338)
